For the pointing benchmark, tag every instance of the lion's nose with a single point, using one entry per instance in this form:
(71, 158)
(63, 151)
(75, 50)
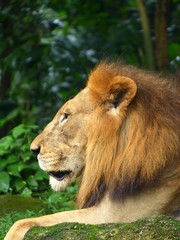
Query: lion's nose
(36, 151)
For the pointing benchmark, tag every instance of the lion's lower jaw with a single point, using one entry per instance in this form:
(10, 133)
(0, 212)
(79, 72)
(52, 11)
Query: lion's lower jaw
(59, 185)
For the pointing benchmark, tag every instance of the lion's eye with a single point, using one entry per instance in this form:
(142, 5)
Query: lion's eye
(64, 117)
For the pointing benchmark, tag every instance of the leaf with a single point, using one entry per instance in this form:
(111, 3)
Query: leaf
(71, 189)
(19, 130)
(6, 143)
(26, 192)
(3, 121)
(54, 198)
(41, 175)
(14, 170)
(3, 163)
(13, 114)
(46, 41)
(174, 50)
(31, 181)
(2, 151)
(19, 184)
(22, 129)
(11, 159)
(4, 182)
(26, 155)
(22, 166)
(34, 166)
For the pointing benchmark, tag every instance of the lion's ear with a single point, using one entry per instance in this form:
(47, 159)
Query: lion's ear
(114, 93)
(120, 92)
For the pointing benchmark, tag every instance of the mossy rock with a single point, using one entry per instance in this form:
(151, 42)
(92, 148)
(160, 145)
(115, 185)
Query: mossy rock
(19, 203)
(156, 228)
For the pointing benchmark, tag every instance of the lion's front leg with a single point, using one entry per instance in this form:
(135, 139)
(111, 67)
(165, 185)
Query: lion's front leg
(102, 213)
(19, 228)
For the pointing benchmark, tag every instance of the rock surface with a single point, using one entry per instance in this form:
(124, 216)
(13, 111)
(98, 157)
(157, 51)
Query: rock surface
(156, 228)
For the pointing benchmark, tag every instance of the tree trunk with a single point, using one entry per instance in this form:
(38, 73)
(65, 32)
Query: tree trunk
(147, 34)
(161, 16)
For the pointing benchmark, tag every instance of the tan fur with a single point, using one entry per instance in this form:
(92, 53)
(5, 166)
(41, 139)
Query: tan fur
(122, 134)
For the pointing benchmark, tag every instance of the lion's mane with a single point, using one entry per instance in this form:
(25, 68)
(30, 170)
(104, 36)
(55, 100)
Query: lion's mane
(137, 146)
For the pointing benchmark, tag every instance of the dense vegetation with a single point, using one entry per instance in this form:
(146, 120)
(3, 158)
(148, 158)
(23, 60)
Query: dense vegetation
(47, 50)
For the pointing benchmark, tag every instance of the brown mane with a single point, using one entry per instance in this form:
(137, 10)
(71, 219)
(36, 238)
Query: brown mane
(132, 149)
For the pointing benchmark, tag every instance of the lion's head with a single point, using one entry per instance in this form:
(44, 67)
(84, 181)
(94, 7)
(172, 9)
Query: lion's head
(120, 132)
(61, 147)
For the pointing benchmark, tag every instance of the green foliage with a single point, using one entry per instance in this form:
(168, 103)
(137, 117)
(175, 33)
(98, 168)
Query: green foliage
(4, 181)
(7, 221)
(38, 60)
(62, 201)
(19, 173)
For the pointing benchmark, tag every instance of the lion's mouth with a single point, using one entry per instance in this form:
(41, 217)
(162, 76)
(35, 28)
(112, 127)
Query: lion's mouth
(60, 175)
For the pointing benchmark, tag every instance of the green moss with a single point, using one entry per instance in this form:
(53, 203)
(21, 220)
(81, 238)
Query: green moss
(145, 229)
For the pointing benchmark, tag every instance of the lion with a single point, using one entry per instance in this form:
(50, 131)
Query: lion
(121, 134)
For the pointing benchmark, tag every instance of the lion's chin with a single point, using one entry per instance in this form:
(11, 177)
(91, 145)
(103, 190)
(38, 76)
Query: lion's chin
(59, 185)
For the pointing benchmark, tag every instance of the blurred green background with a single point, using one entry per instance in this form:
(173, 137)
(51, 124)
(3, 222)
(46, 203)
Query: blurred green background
(47, 49)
